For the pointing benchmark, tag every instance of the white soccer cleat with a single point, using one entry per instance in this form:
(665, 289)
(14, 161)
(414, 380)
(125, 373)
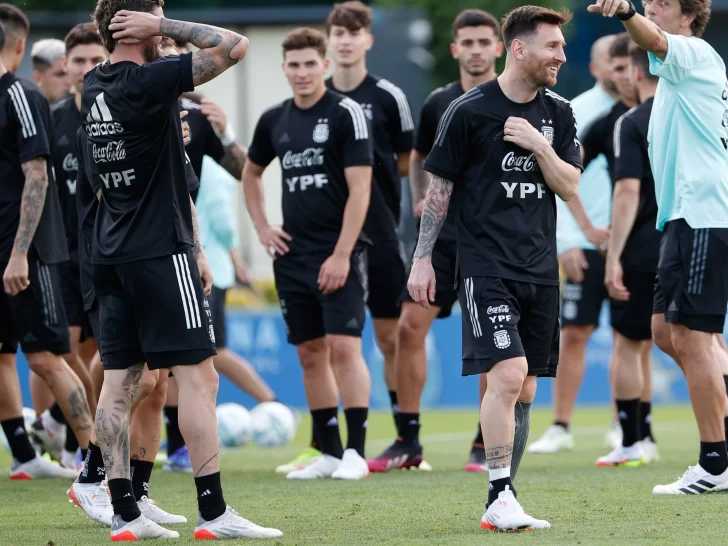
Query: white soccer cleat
(49, 434)
(39, 469)
(506, 514)
(93, 499)
(68, 460)
(232, 525)
(695, 481)
(151, 511)
(555, 439)
(623, 456)
(353, 467)
(649, 450)
(139, 529)
(613, 436)
(323, 467)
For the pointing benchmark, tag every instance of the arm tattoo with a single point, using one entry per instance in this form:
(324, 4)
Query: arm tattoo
(197, 250)
(234, 160)
(418, 179)
(32, 202)
(434, 213)
(208, 461)
(499, 457)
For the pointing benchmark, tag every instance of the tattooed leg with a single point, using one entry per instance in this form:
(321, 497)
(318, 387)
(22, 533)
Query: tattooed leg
(146, 419)
(197, 420)
(112, 419)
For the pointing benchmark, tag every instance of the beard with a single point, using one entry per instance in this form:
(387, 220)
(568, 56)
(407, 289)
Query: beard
(151, 51)
(610, 86)
(478, 70)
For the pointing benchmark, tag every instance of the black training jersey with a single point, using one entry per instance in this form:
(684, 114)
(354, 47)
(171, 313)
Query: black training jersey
(131, 115)
(86, 204)
(642, 250)
(66, 123)
(435, 105)
(505, 212)
(385, 106)
(314, 147)
(26, 134)
(599, 137)
(203, 140)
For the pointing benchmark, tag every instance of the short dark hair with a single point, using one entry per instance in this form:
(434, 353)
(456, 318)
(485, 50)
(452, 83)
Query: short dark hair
(641, 60)
(474, 18)
(352, 15)
(106, 9)
(620, 45)
(304, 38)
(526, 19)
(701, 10)
(14, 21)
(82, 34)
(2, 37)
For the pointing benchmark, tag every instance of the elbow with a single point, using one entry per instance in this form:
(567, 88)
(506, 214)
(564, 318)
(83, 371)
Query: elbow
(239, 49)
(569, 192)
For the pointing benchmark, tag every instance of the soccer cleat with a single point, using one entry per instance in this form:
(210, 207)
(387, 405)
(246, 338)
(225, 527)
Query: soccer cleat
(323, 467)
(308, 456)
(139, 529)
(398, 455)
(623, 456)
(476, 462)
(649, 450)
(93, 499)
(232, 525)
(152, 512)
(49, 434)
(353, 467)
(40, 468)
(507, 515)
(613, 436)
(695, 481)
(70, 460)
(555, 439)
(179, 461)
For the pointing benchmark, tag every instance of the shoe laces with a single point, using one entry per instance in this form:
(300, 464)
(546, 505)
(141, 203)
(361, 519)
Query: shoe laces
(150, 502)
(691, 475)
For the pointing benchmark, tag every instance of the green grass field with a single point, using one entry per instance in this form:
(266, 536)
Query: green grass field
(584, 504)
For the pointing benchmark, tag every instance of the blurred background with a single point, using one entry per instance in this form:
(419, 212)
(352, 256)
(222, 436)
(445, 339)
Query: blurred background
(411, 50)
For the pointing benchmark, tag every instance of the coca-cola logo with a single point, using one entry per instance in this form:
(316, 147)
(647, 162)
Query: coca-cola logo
(113, 151)
(310, 157)
(521, 163)
(498, 309)
(70, 163)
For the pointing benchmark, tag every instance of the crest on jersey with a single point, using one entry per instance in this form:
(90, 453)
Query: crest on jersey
(321, 131)
(502, 339)
(367, 107)
(548, 132)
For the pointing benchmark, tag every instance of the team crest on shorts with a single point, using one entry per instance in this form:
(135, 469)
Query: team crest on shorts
(212, 333)
(321, 131)
(502, 339)
(548, 132)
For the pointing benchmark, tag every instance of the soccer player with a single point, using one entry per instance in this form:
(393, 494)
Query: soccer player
(689, 158)
(631, 264)
(476, 46)
(504, 206)
(348, 28)
(17, 29)
(49, 68)
(32, 243)
(324, 145)
(145, 239)
(580, 258)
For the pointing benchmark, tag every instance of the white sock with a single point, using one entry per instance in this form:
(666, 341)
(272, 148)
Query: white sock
(499, 473)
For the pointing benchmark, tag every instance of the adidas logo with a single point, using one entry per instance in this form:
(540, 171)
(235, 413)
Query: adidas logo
(63, 141)
(623, 415)
(353, 323)
(673, 307)
(205, 493)
(99, 121)
(284, 139)
(366, 424)
(20, 431)
(333, 422)
(713, 454)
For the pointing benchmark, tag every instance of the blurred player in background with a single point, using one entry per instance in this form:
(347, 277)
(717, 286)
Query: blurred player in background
(323, 141)
(580, 257)
(49, 68)
(17, 30)
(476, 46)
(688, 154)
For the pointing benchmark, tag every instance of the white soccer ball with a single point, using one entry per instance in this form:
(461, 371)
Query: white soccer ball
(274, 424)
(233, 424)
(29, 418)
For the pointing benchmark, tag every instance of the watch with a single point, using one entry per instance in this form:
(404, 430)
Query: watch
(627, 16)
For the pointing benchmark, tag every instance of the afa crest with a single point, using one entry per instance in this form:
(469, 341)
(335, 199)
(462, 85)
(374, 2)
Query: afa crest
(321, 131)
(548, 132)
(501, 339)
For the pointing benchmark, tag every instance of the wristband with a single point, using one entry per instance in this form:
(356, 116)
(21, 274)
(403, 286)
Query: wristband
(228, 137)
(630, 13)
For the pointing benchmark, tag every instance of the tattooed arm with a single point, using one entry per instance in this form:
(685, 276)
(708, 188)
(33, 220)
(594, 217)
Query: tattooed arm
(234, 160)
(434, 213)
(417, 182)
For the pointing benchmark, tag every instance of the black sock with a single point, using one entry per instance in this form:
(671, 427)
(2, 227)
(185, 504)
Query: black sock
(356, 428)
(561, 424)
(478, 441)
(327, 426)
(122, 499)
(141, 473)
(646, 421)
(315, 440)
(714, 457)
(84, 452)
(496, 486)
(93, 466)
(57, 414)
(18, 440)
(395, 411)
(629, 419)
(725, 424)
(71, 440)
(409, 426)
(210, 501)
(174, 436)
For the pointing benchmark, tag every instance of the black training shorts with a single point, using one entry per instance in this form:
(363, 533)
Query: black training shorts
(387, 274)
(444, 262)
(582, 302)
(633, 318)
(70, 276)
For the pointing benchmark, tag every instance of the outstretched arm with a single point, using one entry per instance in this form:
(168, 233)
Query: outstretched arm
(645, 33)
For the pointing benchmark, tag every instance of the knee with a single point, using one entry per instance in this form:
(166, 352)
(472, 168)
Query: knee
(147, 384)
(210, 383)
(575, 337)
(661, 335)
(387, 342)
(409, 334)
(528, 390)
(344, 350)
(507, 386)
(44, 364)
(312, 355)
